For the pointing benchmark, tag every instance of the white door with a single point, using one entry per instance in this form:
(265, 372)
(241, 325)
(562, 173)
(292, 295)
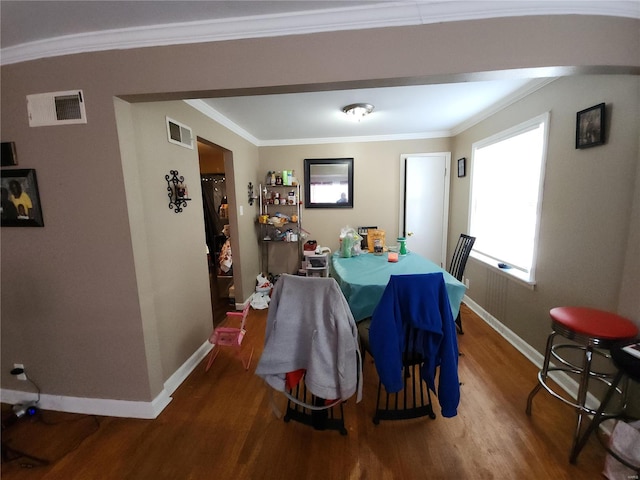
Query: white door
(424, 209)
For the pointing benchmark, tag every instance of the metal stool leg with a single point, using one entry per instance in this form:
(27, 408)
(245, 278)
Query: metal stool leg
(597, 419)
(582, 394)
(542, 375)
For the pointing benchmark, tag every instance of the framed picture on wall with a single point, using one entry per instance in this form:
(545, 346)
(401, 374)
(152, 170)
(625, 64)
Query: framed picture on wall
(462, 167)
(20, 199)
(8, 156)
(328, 182)
(590, 126)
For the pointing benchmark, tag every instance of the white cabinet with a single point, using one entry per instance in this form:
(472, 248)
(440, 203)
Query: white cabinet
(316, 265)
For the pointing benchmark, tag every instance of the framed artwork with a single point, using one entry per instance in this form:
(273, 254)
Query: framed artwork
(328, 183)
(590, 124)
(20, 199)
(8, 155)
(462, 167)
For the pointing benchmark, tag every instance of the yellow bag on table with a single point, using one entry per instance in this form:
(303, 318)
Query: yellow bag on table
(372, 236)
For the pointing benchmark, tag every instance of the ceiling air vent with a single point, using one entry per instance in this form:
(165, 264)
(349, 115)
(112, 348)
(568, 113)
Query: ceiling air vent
(179, 134)
(56, 108)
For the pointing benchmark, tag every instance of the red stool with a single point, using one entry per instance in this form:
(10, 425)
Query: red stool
(589, 329)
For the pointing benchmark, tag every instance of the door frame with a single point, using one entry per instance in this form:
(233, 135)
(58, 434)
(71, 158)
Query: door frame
(403, 198)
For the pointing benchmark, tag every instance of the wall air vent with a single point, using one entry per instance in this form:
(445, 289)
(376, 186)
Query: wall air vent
(179, 133)
(56, 108)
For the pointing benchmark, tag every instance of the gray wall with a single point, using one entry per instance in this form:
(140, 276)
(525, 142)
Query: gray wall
(76, 310)
(376, 191)
(586, 211)
(586, 214)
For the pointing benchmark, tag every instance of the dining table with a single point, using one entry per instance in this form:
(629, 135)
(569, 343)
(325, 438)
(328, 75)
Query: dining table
(363, 278)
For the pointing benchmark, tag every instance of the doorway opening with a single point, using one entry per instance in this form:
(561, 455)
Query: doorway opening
(216, 211)
(424, 207)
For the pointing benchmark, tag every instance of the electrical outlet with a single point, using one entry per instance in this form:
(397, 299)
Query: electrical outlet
(466, 282)
(21, 376)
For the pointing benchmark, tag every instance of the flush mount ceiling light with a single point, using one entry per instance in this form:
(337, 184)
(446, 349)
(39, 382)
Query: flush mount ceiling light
(357, 111)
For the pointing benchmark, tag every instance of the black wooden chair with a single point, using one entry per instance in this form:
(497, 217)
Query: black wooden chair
(310, 312)
(414, 400)
(418, 311)
(458, 262)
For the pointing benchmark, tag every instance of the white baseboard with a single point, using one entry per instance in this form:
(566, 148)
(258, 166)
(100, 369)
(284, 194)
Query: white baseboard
(240, 306)
(180, 375)
(108, 407)
(563, 380)
(150, 410)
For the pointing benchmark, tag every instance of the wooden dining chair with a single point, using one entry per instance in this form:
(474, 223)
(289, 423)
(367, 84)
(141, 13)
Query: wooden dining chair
(459, 262)
(414, 399)
(311, 351)
(411, 335)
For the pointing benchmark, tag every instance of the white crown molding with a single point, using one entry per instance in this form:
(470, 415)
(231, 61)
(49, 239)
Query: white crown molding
(502, 104)
(388, 14)
(213, 114)
(357, 139)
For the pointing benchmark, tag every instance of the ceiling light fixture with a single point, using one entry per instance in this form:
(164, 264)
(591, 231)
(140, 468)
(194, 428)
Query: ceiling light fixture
(357, 111)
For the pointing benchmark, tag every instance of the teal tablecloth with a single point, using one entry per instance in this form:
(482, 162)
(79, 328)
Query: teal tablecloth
(363, 279)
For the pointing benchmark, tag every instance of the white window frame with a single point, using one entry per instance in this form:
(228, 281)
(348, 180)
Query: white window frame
(528, 278)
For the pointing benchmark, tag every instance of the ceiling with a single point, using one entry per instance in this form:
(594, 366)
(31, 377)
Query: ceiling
(408, 112)
(38, 29)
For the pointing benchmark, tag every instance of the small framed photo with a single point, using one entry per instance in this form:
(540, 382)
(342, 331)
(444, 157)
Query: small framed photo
(590, 125)
(462, 167)
(8, 156)
(20, 199)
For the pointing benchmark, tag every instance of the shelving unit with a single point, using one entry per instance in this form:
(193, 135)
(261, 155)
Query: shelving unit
(280, 242)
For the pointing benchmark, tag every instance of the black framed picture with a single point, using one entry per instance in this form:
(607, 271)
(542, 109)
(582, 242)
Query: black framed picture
(20, 199)
(590, 124)
(462, 167)
(8, 156)
(328, 182)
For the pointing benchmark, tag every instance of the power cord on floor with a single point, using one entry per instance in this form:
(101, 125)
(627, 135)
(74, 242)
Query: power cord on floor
(30, 461)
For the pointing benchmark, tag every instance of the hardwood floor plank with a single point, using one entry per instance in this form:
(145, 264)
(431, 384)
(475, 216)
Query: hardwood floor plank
(220, 425)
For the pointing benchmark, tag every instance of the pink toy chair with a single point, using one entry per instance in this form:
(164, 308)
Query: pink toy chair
(230, 337)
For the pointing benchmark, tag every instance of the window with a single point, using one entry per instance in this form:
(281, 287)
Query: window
(506, 196)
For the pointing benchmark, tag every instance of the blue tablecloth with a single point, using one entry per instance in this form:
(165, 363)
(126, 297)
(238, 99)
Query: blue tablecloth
(363, 279)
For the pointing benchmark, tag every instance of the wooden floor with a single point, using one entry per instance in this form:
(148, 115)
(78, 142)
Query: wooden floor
(220, 426)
